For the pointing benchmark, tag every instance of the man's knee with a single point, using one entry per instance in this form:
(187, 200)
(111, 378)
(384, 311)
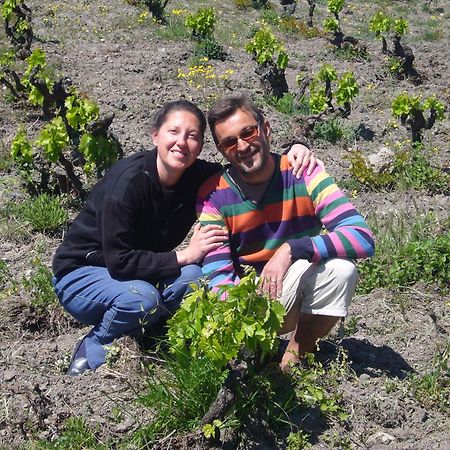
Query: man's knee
(343, 271)
(328, 290)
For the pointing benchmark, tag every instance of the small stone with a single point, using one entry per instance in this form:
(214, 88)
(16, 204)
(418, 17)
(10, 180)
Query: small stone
(9, 375)
(383, 160)
(380, 437)
(364, 377)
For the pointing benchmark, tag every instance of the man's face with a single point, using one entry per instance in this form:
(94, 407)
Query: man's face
(250, 156)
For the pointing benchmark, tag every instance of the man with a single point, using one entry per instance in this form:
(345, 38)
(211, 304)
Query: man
(274, 220)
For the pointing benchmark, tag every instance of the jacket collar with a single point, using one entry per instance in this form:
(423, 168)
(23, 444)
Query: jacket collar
(150, 162)
(151, 169)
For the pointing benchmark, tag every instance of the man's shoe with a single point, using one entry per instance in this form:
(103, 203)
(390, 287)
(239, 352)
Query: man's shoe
(78, 366)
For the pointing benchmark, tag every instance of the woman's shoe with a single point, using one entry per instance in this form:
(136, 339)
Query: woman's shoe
(79, 363)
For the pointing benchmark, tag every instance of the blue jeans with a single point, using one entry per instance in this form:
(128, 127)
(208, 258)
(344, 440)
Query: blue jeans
(118, 308)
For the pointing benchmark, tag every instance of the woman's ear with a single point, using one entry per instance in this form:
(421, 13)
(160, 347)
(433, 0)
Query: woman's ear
(155, 138)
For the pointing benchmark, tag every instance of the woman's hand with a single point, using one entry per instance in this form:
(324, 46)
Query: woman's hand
(301, 158)
(204, 239)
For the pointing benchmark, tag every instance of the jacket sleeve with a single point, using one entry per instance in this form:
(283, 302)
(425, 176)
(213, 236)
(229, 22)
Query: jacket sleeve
(218, 265)
(123, 257)
(347, 236)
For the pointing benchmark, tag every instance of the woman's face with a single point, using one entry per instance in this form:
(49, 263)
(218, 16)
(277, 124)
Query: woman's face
(179, 141)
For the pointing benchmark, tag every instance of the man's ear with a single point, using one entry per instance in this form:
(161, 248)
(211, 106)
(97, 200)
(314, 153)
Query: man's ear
(267, 129)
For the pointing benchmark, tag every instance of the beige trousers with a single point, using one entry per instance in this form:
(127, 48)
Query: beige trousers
(325, 288)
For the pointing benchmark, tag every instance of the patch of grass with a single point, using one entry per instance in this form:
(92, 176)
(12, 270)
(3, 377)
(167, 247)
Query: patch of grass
(286, 104)
(270, 16)
(173, 29)
(180, 394)
(269, 394)
(415, 171)
(432, 35)
(308, 32)
(5, 274)
(333, 131)
(407, 253)
(6, 162)
(76, 436)
(39, 285)
(351, 53)
(393, 66)
(43, 213)
(432, 389)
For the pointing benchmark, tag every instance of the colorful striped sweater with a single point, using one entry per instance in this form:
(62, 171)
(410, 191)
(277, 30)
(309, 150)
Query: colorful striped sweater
(293, 211)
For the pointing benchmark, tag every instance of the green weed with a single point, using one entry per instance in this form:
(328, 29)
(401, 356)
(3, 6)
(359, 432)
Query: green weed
(432, 389)
(39, 285)
(209, 48)
(44, 213)
(393, 66)
(4, 274)
(351, 53)
(286, 104)
(266, 393)
(76, 436)
(243, 4)
(407, 253)
(337, 440)
(432, 35)
(173, 29)
(6, 162)
(289, 24)
(270, 16)
(332, 131)
(350, 326)
(312, 384)
(298, 440)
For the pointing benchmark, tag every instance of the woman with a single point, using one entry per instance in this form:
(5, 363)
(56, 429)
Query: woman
(117, 268)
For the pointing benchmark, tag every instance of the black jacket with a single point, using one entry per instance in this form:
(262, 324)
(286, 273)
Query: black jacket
(131, 225)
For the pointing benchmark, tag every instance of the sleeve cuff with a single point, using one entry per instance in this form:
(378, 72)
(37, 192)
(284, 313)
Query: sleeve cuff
(301, 248)
(288, 145)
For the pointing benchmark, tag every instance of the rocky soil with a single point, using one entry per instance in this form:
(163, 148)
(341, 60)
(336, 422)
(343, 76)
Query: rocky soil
(130, 66)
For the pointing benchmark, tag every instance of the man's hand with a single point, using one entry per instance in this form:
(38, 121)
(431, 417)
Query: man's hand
(301, 158)
(274, 271)
(204, 240)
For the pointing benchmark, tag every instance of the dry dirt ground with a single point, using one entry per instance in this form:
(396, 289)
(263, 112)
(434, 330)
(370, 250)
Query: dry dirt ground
(131, 69)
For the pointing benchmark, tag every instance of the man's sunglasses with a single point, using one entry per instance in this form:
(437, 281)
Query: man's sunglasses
(248, 134)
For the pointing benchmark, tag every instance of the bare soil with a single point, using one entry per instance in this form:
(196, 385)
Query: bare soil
(131, 69)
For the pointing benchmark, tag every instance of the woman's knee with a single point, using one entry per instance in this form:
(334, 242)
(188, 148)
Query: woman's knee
(140, 296)
(191, 272)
